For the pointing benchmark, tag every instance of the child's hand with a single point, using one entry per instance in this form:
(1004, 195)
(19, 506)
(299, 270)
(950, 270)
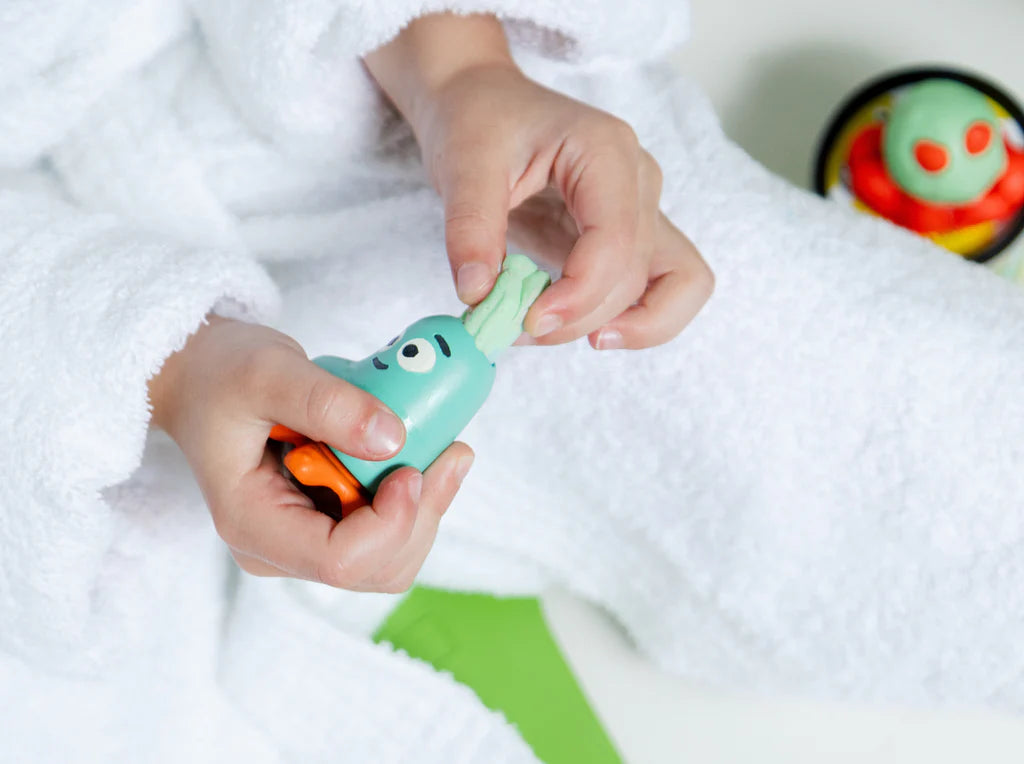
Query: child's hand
(218, 398)
(566, 180)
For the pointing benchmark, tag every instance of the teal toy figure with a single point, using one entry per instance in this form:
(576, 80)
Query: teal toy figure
(435, 376)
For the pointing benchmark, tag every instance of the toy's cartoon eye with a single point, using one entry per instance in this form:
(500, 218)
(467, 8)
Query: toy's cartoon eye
(930, 155)
(978, 137)
(417, 355)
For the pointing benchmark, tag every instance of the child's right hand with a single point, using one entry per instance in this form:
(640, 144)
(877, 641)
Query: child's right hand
(219, 396)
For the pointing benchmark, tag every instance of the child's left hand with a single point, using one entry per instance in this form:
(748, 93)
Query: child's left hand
(566, 180)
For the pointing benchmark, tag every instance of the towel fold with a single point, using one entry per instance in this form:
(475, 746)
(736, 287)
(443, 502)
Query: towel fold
(91, 310)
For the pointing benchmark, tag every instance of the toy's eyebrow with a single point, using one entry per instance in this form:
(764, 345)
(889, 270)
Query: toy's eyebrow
(443, 345)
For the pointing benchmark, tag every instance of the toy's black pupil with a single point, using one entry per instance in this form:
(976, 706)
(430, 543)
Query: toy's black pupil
(410, 351)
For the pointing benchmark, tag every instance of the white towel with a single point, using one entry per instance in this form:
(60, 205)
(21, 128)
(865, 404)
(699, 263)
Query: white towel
(142, 142)
(815, 488)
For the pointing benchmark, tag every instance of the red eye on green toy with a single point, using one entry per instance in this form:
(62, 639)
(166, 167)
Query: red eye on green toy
(936, 151)
(979, 135)
(932, 156)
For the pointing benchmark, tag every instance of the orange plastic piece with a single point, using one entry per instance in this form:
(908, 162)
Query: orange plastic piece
(315, 464)
(286, 435)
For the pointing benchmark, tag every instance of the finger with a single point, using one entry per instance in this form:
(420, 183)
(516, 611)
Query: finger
(601, 191)
(255, 567)
(475, 189)
(443, 477)
(683, 283)
(279, 490)
(300, 395)
(631, 280)
(279, 527)
(441, 481)
(631, 285)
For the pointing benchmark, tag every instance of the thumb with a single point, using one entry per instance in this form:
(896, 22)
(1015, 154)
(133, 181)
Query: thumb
(305, 398)
(475, 191)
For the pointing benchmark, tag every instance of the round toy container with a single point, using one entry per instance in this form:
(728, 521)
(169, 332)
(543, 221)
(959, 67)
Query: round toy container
(937, 151)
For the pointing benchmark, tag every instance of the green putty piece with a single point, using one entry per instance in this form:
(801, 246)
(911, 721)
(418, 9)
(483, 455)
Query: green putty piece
(497, 321)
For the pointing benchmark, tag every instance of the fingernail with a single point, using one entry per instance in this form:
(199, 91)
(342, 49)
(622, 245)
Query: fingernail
(384, 433)
(471, 279)
(415, 487)
(609, 339)
(548, 323)
(462, 467)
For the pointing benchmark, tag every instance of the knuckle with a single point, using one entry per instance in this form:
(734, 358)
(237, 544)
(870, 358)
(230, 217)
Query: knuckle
(435, 510)
(255, 370)
(621, 133)
(466, 218)
(637, 284)
(621, 253)
(400, 529)
(259, 359)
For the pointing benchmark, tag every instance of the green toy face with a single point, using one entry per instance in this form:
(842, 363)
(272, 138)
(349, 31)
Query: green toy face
(432, 376)
(943, 143)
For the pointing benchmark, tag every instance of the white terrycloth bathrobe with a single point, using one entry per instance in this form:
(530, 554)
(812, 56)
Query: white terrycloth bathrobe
(817, 486)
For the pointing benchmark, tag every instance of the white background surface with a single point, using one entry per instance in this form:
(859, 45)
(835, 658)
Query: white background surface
(775, 70)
